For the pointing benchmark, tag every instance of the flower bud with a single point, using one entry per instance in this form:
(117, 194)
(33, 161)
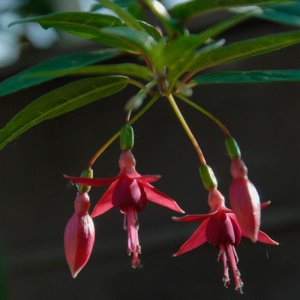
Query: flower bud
(87, 173)
(244, 200)
(126, 137)
(232, 148)
(208, 177)
(79, 235)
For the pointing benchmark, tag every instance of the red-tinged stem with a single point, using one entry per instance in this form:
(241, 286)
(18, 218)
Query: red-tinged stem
(186, 129)
(217, 121)
(116, 135)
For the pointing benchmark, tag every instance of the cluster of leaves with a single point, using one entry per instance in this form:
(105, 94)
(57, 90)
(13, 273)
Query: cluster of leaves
(173, 60)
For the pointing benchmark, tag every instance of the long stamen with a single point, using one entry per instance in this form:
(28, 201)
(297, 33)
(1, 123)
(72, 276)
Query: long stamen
(223, 256)
(237, 276)
(134, 247)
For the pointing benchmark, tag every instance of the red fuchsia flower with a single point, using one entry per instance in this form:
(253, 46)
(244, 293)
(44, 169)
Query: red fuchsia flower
(244, 199)
(221, 229)
(128, 192)
(79, 235)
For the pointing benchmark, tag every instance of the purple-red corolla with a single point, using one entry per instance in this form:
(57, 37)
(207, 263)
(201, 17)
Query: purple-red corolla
(244, 199)
(221, 229)
(79, 235)
(128, 192)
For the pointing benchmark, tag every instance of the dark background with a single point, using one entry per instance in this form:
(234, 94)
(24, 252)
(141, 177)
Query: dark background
(36, 201)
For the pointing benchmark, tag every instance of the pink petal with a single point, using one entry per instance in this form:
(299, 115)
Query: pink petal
(160, 198)
(105, 202)
(194, 218)
(149, 178)
(91, 181)
(265, 204)
(264, 238)
(197, 239)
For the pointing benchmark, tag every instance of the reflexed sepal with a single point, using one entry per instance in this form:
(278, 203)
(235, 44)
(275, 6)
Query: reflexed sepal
(87, 173)
(126, 137)
(208, 177)
(232, 147)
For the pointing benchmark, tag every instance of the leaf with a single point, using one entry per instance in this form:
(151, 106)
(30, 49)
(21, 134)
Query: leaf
(55, 67)
(192, 8)
(151, 30)
(262, 76)
(244, 49)
(65, 19)
(128, 19)
(287, 13)
(60, 101)
(103, 29)
(117, 69)
(178, 52)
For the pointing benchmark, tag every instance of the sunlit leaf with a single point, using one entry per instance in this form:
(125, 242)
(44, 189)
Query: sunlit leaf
(60, 101)
(192, 8)
(244, 49)
(262, 76)
(128, 19)
(54, 67)
(104, 29)
(117, 69)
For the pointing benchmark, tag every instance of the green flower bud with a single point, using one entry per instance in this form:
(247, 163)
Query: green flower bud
(208, 177)
(232, 147)
(87, 173)
(126, 137)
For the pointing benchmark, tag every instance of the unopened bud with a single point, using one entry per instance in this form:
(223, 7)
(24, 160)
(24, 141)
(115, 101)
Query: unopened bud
(232, 147)
(87, 173)
(208, 177)
(126, 137)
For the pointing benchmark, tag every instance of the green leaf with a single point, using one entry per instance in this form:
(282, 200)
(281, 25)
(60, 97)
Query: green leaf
(128, 19)
(55, 67)
(116, 69)
(179, 51)
(66, 19)
(287, 13)
(151, 30)
(192, 8)
(262, 76)
(103, 29)
(243, 50)
(60, 101)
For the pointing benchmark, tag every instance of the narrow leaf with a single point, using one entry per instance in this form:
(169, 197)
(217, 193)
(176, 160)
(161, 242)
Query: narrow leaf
(116, 69)
(262, 76)
(244, 49)
(104, 29)
(178, 52)
(288, 13)
(192, 8)
(128, 19)
(60, 101)
(53, 68)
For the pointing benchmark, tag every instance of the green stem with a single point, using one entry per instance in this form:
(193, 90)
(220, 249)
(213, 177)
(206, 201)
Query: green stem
(141, 86)
(116, 135)
(186, 128)
(206, 113)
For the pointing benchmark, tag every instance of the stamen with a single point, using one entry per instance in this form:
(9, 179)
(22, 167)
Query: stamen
(134, 247)
(238, 281)
(222, 254)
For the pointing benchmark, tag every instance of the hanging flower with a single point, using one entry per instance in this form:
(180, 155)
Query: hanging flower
(79, 235)
(129, 192)
(244, 199)
(221, 229)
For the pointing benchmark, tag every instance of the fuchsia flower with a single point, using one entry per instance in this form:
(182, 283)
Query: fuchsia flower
(128, 192)
(79, 235)
(221, 229)
(244, 199)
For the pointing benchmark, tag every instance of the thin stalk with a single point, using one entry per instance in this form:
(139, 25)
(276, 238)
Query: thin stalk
(186, 129)
(141, 86)
(116, 135)
(218, 122)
